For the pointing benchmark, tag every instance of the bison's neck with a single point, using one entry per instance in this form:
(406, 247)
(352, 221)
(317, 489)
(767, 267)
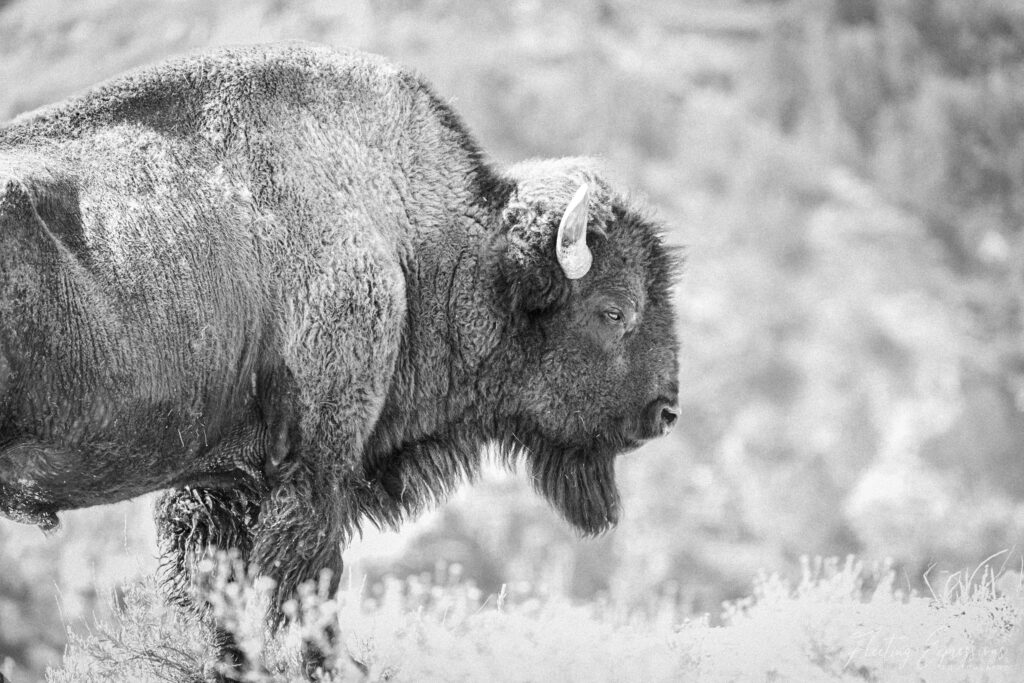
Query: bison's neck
(435, 422)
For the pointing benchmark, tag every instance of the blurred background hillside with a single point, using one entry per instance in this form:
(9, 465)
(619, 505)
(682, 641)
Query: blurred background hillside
(848, 177)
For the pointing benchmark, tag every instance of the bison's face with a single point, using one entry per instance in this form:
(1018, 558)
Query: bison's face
(587, 281)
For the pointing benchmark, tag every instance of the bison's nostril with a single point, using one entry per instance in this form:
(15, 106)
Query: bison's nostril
(662, 415)
(669, 417)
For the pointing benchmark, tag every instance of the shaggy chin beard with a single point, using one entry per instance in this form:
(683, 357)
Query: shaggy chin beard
(580, 485)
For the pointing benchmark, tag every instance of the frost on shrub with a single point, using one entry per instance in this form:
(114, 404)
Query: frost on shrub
(845, 622)
(841, 621)
(401, 631)
(147, 641)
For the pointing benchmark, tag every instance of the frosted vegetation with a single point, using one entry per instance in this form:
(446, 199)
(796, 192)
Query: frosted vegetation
(841, 621)
(848, 177)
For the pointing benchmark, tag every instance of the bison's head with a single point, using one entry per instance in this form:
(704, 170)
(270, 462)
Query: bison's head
(586, 279)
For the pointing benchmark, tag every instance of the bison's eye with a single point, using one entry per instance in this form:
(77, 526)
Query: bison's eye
(614, 315)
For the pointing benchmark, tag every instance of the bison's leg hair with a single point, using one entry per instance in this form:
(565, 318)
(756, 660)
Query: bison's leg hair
(298, 539)
(194, 524)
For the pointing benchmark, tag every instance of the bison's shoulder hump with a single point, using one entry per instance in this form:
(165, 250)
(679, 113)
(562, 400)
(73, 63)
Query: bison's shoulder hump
(169, 94)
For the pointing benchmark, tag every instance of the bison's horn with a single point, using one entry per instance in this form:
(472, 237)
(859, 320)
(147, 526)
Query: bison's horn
(571, 246)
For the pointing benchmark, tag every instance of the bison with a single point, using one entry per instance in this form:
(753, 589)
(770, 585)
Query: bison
(284, 283)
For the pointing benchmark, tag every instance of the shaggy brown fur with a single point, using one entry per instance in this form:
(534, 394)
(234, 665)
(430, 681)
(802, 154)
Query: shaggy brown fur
(282, 282)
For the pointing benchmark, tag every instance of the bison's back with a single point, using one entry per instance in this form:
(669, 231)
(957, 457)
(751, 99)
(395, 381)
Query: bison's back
(214, 93)
(307, 129)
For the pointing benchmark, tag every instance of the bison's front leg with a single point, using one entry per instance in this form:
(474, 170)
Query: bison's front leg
(311, 510)
(302, 526)
(343, 337)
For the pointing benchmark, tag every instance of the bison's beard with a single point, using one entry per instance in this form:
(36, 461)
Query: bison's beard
(576, 474)
(578, 481)
(580, 485)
